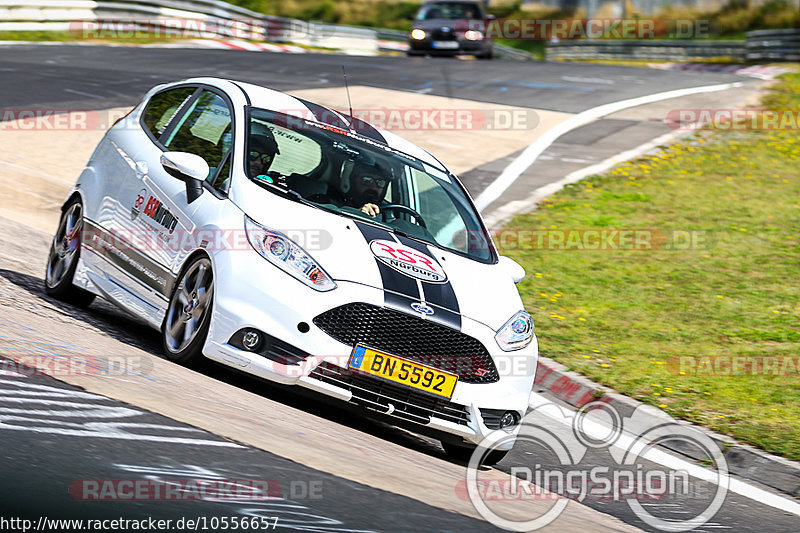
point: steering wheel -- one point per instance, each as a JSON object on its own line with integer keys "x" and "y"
{"x": 404, "y": 209}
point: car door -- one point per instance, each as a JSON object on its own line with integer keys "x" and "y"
{"x": 124, "y": 236}
{"x": 203, "y": 127}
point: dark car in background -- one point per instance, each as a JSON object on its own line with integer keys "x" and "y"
{"x": 450, "y": 27}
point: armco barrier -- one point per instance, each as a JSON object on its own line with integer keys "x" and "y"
{"x": 648, "y": 50}
{"x": 773, "y": 45}
{"x": 152, "y": 15}
{"x": 760, "y": 46}
{"x": 61, "y": 15}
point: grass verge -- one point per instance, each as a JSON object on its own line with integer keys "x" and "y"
{"x": 722, "y": 215}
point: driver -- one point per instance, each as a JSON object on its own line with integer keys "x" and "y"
{"x": 363, "y": 190}
{"x": 367, "y": 188}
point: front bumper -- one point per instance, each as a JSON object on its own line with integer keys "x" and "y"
{"x": 284, "y": 309}
{"x": 465, "y": 46}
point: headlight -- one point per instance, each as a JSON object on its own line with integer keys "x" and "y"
{"x": 417, "y": 34}
{"x": 516, "y": 333}
{"x": 285, "y": 254}
{"x": 473, "y": 35}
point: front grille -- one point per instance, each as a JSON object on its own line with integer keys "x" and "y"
{"x": 443, "y": 34}
{"x": 407, "y": 336}
{"x": 378, "y": 394}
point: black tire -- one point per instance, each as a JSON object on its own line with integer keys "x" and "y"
{"x": 62, "y": 259}
{"x": 193, "y": 294}
{"x": 464, "y": 453}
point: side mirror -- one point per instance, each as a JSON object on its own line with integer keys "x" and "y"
{"x": 514, "y": 269}
{"x": 188, "y": 168}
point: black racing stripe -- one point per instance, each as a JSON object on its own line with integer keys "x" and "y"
{"x": 399, "y": 302}
{"x": 246, "y": 96}
{"x": 444, "y": 316}
{"x": 439, "y": 294}
{"x": 403, "y": 303}
{"x": 392, "y": 280}
{"x": 327, "y": 116}
{"x": 367, "y": 130}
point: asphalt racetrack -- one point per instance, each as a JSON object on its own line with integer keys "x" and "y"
{"x": 74, "y": 444}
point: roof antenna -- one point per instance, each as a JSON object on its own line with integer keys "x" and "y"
{"x": 347, "y": 88}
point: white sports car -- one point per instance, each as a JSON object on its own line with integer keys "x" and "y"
{"x": 306, "y": 247}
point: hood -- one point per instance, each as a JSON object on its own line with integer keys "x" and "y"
{"x": 415, "y": 278}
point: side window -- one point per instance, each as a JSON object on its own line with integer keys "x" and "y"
{"x": 162, "y": 108}
{"x": 298, "y": 154}
{"x": 204, "y": 130}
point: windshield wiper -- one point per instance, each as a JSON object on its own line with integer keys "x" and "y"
{"x": 291, "y": 194}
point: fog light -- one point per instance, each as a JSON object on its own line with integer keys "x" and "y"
{"x": 251, "y": 340}
{"x": 509, "y": 419}
{"x": 417, "y": 34}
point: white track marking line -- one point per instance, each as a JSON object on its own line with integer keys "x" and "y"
{"x": 507, "y": 211}
{"x": 83, "y": 93}
{"x": 598, "y": 430}
{"x": 515, "y": 169}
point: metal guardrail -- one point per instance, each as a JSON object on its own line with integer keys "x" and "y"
{"x": 773, "y": 45}
{"x": 157, "y": 15}
{"x": 648, "y": 50}
{"x": 760, "y": 46}
{"x": 215, "y": 19}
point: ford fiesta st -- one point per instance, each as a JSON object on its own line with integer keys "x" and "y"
{"x": 306, "y": 247}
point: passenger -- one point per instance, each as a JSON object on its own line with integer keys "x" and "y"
{"x": 261, "y": 152}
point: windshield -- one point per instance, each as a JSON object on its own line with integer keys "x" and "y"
{"x": 355, "y": 176}
{"x": 448, "y": 11}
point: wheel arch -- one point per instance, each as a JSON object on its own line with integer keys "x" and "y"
{"x": 199, "y": 252}
{"x": 71, "y": 198}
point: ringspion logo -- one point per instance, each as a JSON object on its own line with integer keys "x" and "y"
{"x": 562, "y": 469}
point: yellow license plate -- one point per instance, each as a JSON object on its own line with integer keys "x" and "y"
{"x": 402, "y": 371}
